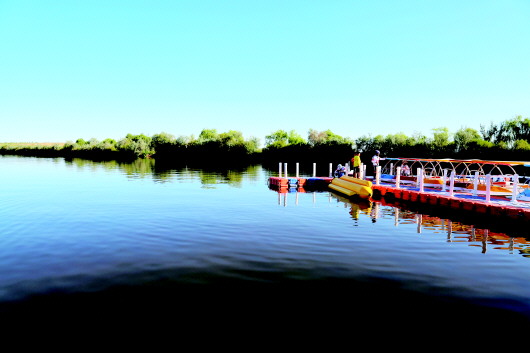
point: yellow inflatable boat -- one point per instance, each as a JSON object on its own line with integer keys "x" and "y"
{"x": 352, "y": 186}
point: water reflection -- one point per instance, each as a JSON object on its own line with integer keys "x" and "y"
{"x": 458, "y": 232}
{"x": 142, "y": 233}
{"x": 138, "y": 168}
{"x": 209, "y": 177}
{"x": 455, "y": 231}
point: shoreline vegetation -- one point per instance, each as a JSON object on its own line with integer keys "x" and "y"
{"x": 507, "y": 141}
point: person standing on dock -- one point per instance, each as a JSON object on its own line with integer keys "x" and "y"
{"x": 375, "y": 160}
{"x": 356, "y": 164}
{"x": 405, "y": 169}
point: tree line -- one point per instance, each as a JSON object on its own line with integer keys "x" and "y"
{"x": 508, "y": 140}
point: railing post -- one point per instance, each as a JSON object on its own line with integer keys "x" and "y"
{"x": 515, "y": 184}
{"x": 419, "y": 177}
{"x": 452, "y": 183}
{"x": 398, "y": 176}
{"x": 361, "y": 171}
{"x": 488, "y": 188}
{"x": 444, "y": 180}
{"x": 475, "y": 184}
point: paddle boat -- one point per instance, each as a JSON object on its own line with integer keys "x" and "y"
{"x": 469, "y": 175}
{"x": 351, "y": 186}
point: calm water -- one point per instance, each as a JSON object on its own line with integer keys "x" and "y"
{"x": 80, "y": 236}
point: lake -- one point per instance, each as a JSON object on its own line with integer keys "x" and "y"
{"x": 79, "y": 237}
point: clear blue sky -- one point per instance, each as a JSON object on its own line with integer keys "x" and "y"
{"x": 96, "y": 69}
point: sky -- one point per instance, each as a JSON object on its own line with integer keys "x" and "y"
{"x": 102, "y": 69}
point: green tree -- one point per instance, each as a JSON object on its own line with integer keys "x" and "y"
{"x": 137, "y": 145}
{"x": 294, "y": 138}
{"x": 464, "y": 136}
{"x": 253, "y": 145}
{"x": 278, "y": 138}
{"x": 489, "y": 133}
{"x": 208, "y": 135}
{"x": 522, "y": 145}
{"x": 326, "y": 137}
{"x": 364, "y": 143}
{"x": 441, "y": 137}
{"x": 516, "y": 129}
{"x": 107, "y": 144}
{"x": 418, "y": 138}
{"x": 232, "y": 138}
{"x": 162, "y": 138}
{"x": 399, "y": 139}
{"x": 508, "y": 131}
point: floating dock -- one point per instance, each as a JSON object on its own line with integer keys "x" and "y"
{"x": 495, "y": 207}
{"x": 297, "y": 182}
{"x": 420, "y": 193}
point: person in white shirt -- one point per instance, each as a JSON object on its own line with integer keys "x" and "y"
{"x": 405, "y": 169}
{"x": 375, "y": 160}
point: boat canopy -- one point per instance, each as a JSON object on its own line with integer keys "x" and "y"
{"x": 435, "y": 167}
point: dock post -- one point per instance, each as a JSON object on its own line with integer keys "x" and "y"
{"x": 361, "y": 171}
{"x": 391, "y": 168}
{"x": 377, "y": 175}
{"x": 330, "y": 170}
{"x": 475, "y": 184}
{"x": 364, "y": 171}
{"x": 515, "y": 183}
{"x": 452, "y": 183}
{"x": 297, "y": 174}
{"x": 280, "y": 170}
{"x": 314, "y": 170}
{"x": 285, "y": 169}
{"x": 398, "y": 176}
{"x": 444, "y": 180}
{"x": 488, "y": 188}
{"x": 420, "y": 178}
